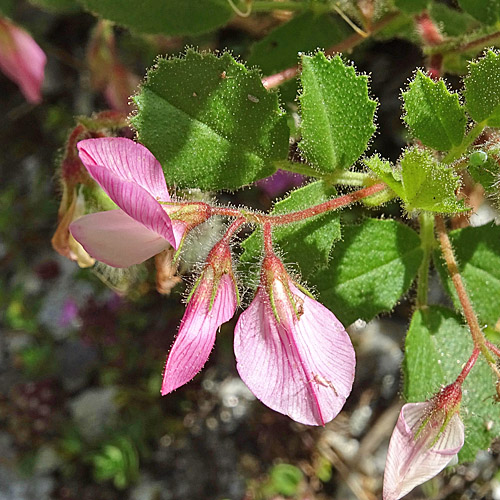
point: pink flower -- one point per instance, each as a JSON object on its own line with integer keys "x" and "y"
{"x": 212, "y": 303}
{"x": 22, "y": 60}
{"x": 134, "y": 180}
{"x": 427, "y": 437}
{"x": 292, "y": 352}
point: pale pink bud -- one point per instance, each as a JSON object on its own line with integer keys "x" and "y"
{"x": 133, "y": 178}
{"x": 427, "y": 437}
{"x": 292, "y": 352}
{"x": 22, "y": 60}
{"x": 212, "y": 303}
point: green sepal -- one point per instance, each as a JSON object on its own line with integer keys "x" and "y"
{"x": 386, "y": 173}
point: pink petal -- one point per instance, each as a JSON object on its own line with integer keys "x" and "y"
{"x": 196, "y": 335}
{"x": 22, "y": 60}
{"x": 412, "y": 461}
{"x": 302, "y": 368}
{"x": 116, "y": 239}
{"x": 133, "y": 179}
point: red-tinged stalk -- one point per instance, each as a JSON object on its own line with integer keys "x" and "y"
{"x": 456, "y": 278}
{"x": 468, "y": 366}
{"x": 493, "y": 348}
{"x": 478, "y": 338}
{"x": 232, "y": 229}
{"x": 194, "y": 209}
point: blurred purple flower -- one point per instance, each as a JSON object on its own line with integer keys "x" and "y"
{"x": 280, "y": 182}
{"x": 69, "y": 313}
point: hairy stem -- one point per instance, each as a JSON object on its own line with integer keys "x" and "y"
{"x": 268, "y": 239}
{"x": 327, "y": 206}
{"x": 463, "y": 297}
{"x": 468, "y": 366}
{"x": 278, "y": 220}
{"x": 350, "y": 42}
{"x": 461, "y": 46}
{"x": 427, "y": 242}
{"x": 233, "y": 228}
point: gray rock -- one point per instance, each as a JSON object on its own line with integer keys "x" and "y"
{"x": 94, "y": 411}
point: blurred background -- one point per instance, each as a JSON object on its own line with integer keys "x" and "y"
{"x": 82, "y": 350}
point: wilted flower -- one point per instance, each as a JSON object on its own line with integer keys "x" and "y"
{"x": 427, "y": 437}
{"x": 22, "y": 60}
{"x": 134, "y": 180}
{"x": 107, "y": 72}
{"x": 213, "y": 302}
{"x": 292, "y": 352}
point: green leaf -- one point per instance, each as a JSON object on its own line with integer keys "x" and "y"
{"x": 429, "y": 185}
{"x": 170, "y": 17}
{"x": 486, "y": 11}
{"x": 385, "y": 172}
{"x": 452, "y": 22}
{"x": 369, "y": 270}
{"x": 210, "y": 122}
{"x": 57, "y": 5}
{"x": 433, "y": 113}
{"x": 411, "y": 6}
{"x": 482, "y": 89}
{"x": 285, "y": 479}
{"x": 6, "y": 7}
{"x": 436, "y": 347}
{"x": 337, "y": 113}
{"x": 304, "y": 32}
{"x": 477, "y": 250}
{"x": 307, "y": 243}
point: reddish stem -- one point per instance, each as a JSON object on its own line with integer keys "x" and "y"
{"x": 493, "y": 348}
{"x": 463, "y": 297}
{"x": 268, "y": 239}
{"x": 468, "y": 366}
{"x": 327, "y": 206}
{"x": 233, "y": 228}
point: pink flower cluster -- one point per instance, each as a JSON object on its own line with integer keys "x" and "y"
{"x": 291, "y": 351}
